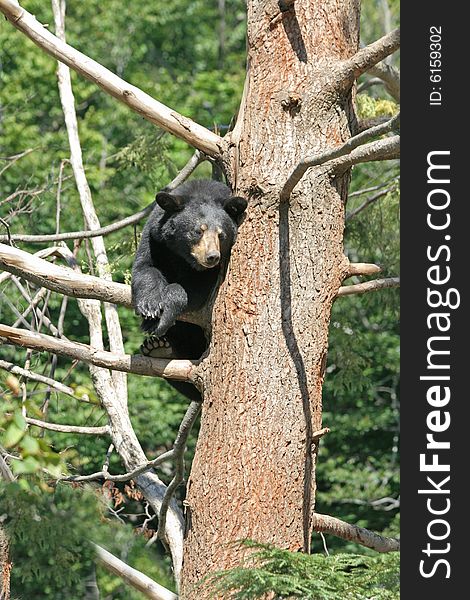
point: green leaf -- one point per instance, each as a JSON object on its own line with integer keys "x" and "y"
{"x": 27, "y": 466}
{"x": 30, "y": 445}
{"x": 12, "y": 435}
{"x": 19, "y": 420}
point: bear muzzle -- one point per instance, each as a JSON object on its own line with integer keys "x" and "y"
{"x": 207, "y": 250}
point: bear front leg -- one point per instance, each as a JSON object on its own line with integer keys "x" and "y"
{"x": 148, "y": 286}
{"x": 174, "y": 303}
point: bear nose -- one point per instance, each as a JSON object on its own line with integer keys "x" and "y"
{"x": 213, "y": 257}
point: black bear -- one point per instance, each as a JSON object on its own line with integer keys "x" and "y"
{"x": 185, "y": 243}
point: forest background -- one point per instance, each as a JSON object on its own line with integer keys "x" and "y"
{"x": 190, "y": 54}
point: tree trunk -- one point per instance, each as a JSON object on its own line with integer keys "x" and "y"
{"x": 5, "y": 566}
{"x": 253, "y": 474}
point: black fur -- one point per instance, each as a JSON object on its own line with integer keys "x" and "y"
{"x": 167, "y": 279}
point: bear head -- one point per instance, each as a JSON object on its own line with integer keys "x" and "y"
{"x": 200, "y": 221}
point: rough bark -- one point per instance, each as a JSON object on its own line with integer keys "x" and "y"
{"x": 253, "y": 475}
{"x": 5, "y": 566}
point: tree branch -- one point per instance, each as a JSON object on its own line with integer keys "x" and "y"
{"x": 371, "y": 200}
{"x": 368, "y": 286}
{"x": 81, "y": 235}
{"x": 67, "y": 100}
{"x": 133, "y": 97}
{"x": 179, "y": 448}
{"x": 353, "y": 533}
{"x": 331, "y": 154}
{"x": 62, "y": 279}
{"x": 68, "y": 428}
{"x": 5, "y": 471}
{"x": 44, "y": 253}
{"x": 136, "y": 579}
{"x": 316, "y": 435}
{"x": 386, "y": 149}
{"x": 65, "y": 280}
{"x": 362, "y": 269}
{"x": 181, "y": 370}
{"x": 367, "y": 57}
{"x": 51, "y": 383}
{"x": 123, "y": 436}
{"x": 365, "y": 124}
{"x": 103, "y": 474}
{"x": 196, "y": 159}
{"x": 390, "y": 76}
{"x": 44, "y": 319}
{"x": 368, "y": 84}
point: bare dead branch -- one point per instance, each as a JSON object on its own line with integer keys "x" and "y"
{"x": 331, "y": 154}
{"x": 11, "y": 160}
{"x": 367, "y": 57}
{"x": 91, "y": 219}
{"x": 182, "y": 370}
{"x": 51, "y": 383}
{"x": 392, "y": 180}
{"x": 122, "y": 433}
{"x": 316, "y": 435}
{"x": 68, "y": 428}
{"x": 365, "y": 124}
{"x": 60, "y": 333}
{"x": 5, "y": 471}
{"x": 27, "y": 193}
{"x": 368, "y": 84}
{"x": 44, "y": 253}
{"x": 133, "y": 97}
{"x": 15, "y": 311}
{"x": 368, "y": 286}
{"x": 390, "y": 76}
{"x": 136, "y": 579}
{"x": 196, "y": 159}
{"x": 40, "y": 294}
{"x": 386, "y": 149}
{"x": 80, "y": 235}
{"x": 386, "y": 504}
{"x": 64, "y": 280}
{"x": 362, "y": 269}
{"x": 43, "y": 317}
{"x": 371, "y": 200}
{"x": 353, "y": 533}
{"x": 61, "y": 279}
{"x": 103, "y": 474}
{"x": 179, "y": 448}
{"x": 7, "y": 227}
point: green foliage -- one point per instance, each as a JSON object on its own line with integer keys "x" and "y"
{"x": 36, "y": 453}
{"x": 50, "y": 543}
{"x": 310, "y": 577}
{"x": 358, "y": 463}
{"x": 173, "y": 51}
{"x": 368, "y": 107}
{"x": 49, "y": 539}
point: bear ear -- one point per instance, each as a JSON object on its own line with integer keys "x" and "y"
{"x": 235, "y": 206}
{"x": 169, "y": 202}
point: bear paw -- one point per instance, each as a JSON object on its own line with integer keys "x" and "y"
{"x": 157, "y": 347}
{"x": 149, "y": 308}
